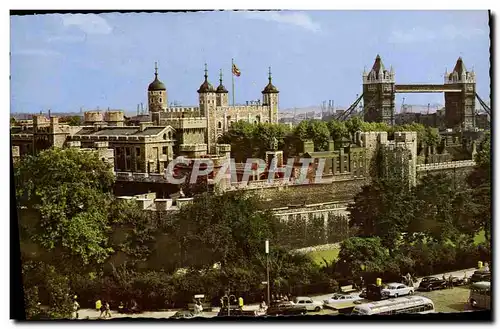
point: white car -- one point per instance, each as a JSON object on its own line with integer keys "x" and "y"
{"x": 311, "y": 305}
{"x": 342, "y": 298}
{"x": 397, "y": 289}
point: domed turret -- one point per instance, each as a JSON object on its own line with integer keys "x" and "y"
{"x": 221, "y": 88}
{"x": 270, "y": 88}
{"x": 206, "y": 87}
{"x": 221, "y": 96}
{"x": 157, "y": 94}
{"x": 156, "y": 85}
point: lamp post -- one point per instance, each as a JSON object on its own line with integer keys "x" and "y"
{"x": 268, "y": 283}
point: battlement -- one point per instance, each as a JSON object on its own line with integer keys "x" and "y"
{"x": 93, "y": 116}
{"x": 192, "y": 147}
{"x": 186, "y": 123}
{"x": 114, "y": 116}
{"x": 183, "y": 109}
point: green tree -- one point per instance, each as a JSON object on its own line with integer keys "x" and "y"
{"x": 434, "y": 209}
{"x": 382, "y": 209}
{"x": 338, "y": 130}
{"x": 222, "y": 228}
{"x": 75, "y": 120}
{"x": 353, "y": 125}
{"x": 479, "y": 198}
{"x": 63, "y": 196}
{"x": 314, "y": 130}
{"x": 356, "y": 251}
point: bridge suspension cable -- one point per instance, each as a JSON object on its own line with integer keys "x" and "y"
{"x": 344, "y": 115}
{"x": 483, "y": 104}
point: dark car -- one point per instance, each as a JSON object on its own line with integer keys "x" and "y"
{"x": 432, "y": 283}
{"x": 183, "y": 315}
{"x": 286, "y": 308}
{"x": 480, "y": 275}
{"x": 374, "y": 292}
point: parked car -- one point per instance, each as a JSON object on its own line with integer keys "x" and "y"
{"x": 309, "y": 304}
{"x": 183, "y": 315}
{"x": 480, "y": 275}
{"x": 374, "y": 292}
{"x": 432, "y": 283}
{"x": 341, "y": 298}
{"x": 286, "y": 308}
{"x": 397, "y": 289}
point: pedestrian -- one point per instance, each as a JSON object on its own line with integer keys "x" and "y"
{"x": 285, "y": 298}
{"x": 221, "y": 302}
{"x": 450, "y": 282}
{"x": 240, "y": 302}
{"x": 98, "y": 306}
{"x": 290, "y": 297}
{"x": 262, "y": 306}
{"x": 121, "y": 307}
{"x": 76, "y": 308}
{"x": 107, "y": 310}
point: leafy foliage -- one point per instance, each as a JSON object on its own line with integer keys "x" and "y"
{"x": 66, "y": 192}
{"x": 222, "y": 229}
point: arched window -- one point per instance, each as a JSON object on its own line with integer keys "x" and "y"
{"x": 219, "y": 125}
{"x": 165, "y": 136}
{"x": 169, "y": 135}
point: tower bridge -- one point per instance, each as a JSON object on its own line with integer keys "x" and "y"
{"x": 380, "y": 88}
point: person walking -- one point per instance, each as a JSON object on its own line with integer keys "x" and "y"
{"x": 107, "y": 310}
{"x": 450, "y": 282}
{"x": 76, "y": 308}
{"x": 240, "y": 302}
{"x": 98, "y": 307}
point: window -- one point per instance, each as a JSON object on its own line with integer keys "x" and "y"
{"x": 219, "y": 125}
{"x": 160, "y": 99}
{"x": 169, "y": 135}
{"x": 138, "y": 151}
{"x": 165, "y": 148}
{"x": 164, "y": 136}
{"x": 127, "y": 151}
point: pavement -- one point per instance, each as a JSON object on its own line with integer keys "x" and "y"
{"x": 93, "y": 314}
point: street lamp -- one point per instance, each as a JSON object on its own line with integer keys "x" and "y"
{"x": 268, "y": 283}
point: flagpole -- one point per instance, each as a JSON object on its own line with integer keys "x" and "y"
{"x": 232, "y": 76}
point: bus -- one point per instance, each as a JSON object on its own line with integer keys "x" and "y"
{"x": 480, "y": 296}
{"x": 408, "y": 304}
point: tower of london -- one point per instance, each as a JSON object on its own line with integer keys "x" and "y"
{"x": 198, "y": 128}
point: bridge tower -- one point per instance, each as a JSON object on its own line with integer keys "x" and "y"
{"x": 379, "y": 94}
{"x": 460, "y": 107}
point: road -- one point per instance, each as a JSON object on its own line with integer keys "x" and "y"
{"x": 448, "y": 300}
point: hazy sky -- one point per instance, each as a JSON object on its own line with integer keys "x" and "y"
{"x": 65, "y": 62}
